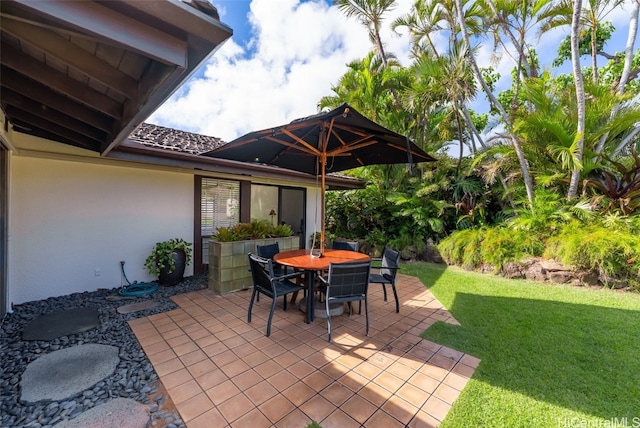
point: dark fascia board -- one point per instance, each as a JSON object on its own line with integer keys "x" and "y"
{"x": 133, "y": 151}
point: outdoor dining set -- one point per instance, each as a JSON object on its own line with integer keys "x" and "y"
{"x": 338, "y": 276}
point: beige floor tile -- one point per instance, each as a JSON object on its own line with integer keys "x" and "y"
{"x": 194, "y": 407}
{"x": 359, "y": 409}
{"x": 221, "y": 370}
{"x": 222, "y": 392}
{"x": 339, "y": 419}
{"x": 317, "y": 408}
{"x": 276, "y": 407}
{"x": 254, "y": 419}
{"x": 210, "y": 418}
{"x": 236, "y": 407}
{"x": 260, "y": 392}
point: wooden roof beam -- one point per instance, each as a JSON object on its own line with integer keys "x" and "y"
{"x": 15, "y": 99}
{"x": 58, "y": 81}
{"x": 51, "y": 127}
{"x": 72, "y": 54}
{"x": 112, "y": 27}
{"x": 46, "y": 97}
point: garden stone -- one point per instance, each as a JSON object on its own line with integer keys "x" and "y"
{"x": 63, "y": 374}
{"x": 535, "y": 272}
{"x": 561, "y": 277}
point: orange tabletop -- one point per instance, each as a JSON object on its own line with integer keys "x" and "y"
{"x": 301, "y": 259}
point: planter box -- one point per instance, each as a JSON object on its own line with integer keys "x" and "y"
{"x": 229, "y": 264}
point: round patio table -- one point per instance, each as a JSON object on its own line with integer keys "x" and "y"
{"x": 301, "y": 259}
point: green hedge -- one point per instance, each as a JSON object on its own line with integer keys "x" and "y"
{"x": 613, "y": 251}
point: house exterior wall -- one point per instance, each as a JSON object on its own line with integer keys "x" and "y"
{"x": 71, "y": 223}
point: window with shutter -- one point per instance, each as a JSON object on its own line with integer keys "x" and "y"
{"x": 220, "y": 207}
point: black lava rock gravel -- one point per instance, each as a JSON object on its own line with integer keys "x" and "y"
{"x": 133, "y": 378}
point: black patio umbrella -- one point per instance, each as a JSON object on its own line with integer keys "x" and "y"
{"x": 333, "y": 141}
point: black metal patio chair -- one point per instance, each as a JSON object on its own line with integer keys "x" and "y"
{"x": 268, "y": 252}
{"x": 346, "y": 283}
{"x": 345, "y": 245}
{"x": 266, "y": 282}
{"x": 386, "y": 273}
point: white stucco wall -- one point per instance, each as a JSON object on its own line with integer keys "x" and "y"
{"x": 71, "y": 223}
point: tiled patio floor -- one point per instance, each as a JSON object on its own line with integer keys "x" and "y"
{"x": 222, "y": 371}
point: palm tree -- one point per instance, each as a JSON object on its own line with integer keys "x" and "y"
{"x": 579, "y": 84}
{"x": 628, "y": 58}
{"x": 432, "y": 16}
{"x": 366, "y": 85}
{"x": 526, "y": 175}
{"x": 424, "y": 19}
{"x": 516, "y": 20}
{"x": 590, "y": 19}
{"x": 370, "y": 14}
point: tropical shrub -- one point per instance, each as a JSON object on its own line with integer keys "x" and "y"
{"x": 463, "y": 248}
{"x": 474, "y": 248}
{"x": 502, "y": 245}
{"x": 612, "y": 253}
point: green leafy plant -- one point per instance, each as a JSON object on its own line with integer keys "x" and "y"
{"x": 257, "y": 229}
{"x": 162, "y": 255}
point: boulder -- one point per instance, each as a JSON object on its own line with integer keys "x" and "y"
{"x": 588, "y": 278}
{"x": 512, "y": 270}
{"x": 561, "y": 277}
{"x": 554, "y": 266}
{"x": 535, "y": 272}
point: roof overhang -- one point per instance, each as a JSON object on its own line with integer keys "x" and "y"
{"x": 136, "y": 152}
{"x": 86, "y": 73}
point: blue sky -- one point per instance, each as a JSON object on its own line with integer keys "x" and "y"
{"x": 286, "y": 54}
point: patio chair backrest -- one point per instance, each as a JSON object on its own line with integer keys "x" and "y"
{"x": 261, "y": 271}
{"x": 347, "y": 281}
{"x": 345, "y": 245}
{"x": 390, "y": 259}
{"x": 268, "y": 251}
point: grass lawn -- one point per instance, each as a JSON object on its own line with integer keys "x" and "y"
{"x": 552, "y": 355}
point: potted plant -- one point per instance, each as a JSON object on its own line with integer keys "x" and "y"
{"x": 168, "y": 260}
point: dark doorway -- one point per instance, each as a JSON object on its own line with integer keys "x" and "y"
{"x": 292, "y": 211}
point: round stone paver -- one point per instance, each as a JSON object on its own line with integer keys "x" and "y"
{"x": 67, "y": 372}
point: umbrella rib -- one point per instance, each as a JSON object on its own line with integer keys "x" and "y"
{"x": 310, "y": 149}
{"x": 404, "y": 149}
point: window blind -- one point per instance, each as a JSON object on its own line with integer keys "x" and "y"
{"x": 219, "y": 207}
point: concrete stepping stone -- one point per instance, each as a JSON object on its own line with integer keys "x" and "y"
{"x": 61, "y": 323}
{"x": 134, "y": 307}
{"x": 67, "y": 372}
{"x": 119, "y": 412}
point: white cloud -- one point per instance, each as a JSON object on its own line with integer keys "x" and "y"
{"x": 297, "y": 51}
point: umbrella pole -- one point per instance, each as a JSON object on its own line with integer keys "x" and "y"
{"x": 323, "y": 164}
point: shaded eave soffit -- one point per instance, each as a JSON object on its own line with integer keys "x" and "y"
{"x": 86, "y": 73}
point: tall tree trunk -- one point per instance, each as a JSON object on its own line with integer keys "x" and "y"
{"x": 579, "y": 84}
{"x": 594, "y": 54}
{"x": 526, "y": 176}
{"x": 626, "y": 69}
{"x": 460, "y": 137}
